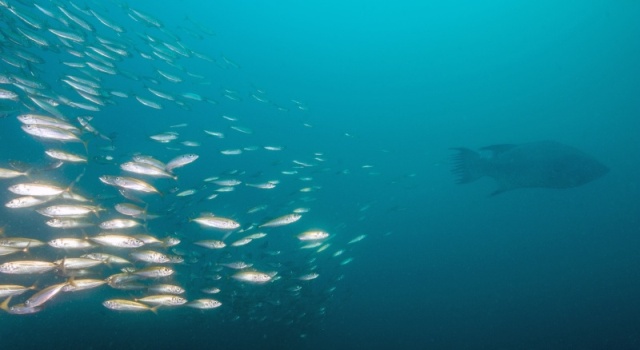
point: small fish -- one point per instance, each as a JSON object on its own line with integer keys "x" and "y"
{"x": 7, "y": 250}
{"x": 231, "y": 152}
{"x": 65, "y": 156}
{"x": 265, "y": 186}
{"x": 309, "y": 276}
{"x": 84, "y": 121}
{"x": 116, "y": 240}
{"x": 130, "y": 209}
{"x": 76, "y": 263}
{"x": 166, "y": 300}
{"x": 12, "y": 289}
{"x": 181, "y": 161}
{"x": 10, "y": 174}
{"x": 357, "y": 239}
{"x": 128, "y": 305}
{"x": 254, "y": 277}
{"x": 36, "y": 189}
{"x": 229, "y": 182}
{"x": 26, "y": 267}
{"x": 217, "y": 222}
{"x": 313, "y": 235}
{"x": 44, "y": 295}
{"x": 150, "y": 256}
{"x": 50, "y": 132}
{"x": 65, "y": 210}
{"x": 74, "y": 285}
{"x": 19, "y": 242}
{"x": 346, "y": 261}
{"x": 204, "y": 304}
{"x": 146, "y": 169}
{"x": 282, "y": 220}
{"x": 166, "y": 289}
{"x": 215, "y": 133}
{"x": 128, "y": 183}
{"x": 116, "y": 224}
{"x": 211, "y": 244}
{"x": 210, "y": 290}
{"x": 42, "y": 120}
{"x": 164, "y": 137}
{"x": 257, "y": 235}
{"x": 236, "y": 265}
{"x": 8, "y": 95}
{"x": 68, "y": 223}
{"x": 241, "y": 242}
{"x": 154, "y": 272}
{"x": 256, "y": 209}
{"x": 311, "y": 245}
{"x": 107, "y": 258}
{"x": 186, "y": 193}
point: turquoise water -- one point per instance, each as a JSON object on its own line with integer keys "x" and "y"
{"x": 379, "y": 93}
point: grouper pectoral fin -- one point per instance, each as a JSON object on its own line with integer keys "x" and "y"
{"x": 497, "y": 192}
{"x": 502, "y": 187}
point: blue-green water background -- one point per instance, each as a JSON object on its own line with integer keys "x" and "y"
{"x": 443, "y": 266}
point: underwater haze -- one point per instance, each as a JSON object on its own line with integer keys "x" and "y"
{"x": 313, "y": 142}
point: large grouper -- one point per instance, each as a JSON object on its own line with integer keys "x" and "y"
{"x": 545, "y": 164}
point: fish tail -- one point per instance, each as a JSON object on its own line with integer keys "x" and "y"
{"x": 5, "y": 304}
{"x": 468, "y": 166}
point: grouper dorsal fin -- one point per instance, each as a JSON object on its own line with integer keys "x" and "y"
{"x": 498, "y": 149}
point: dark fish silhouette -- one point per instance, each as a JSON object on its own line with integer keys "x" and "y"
{"x": 545, "y": 164}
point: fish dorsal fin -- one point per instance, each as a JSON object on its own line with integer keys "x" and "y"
{"x": 498, "y": 149}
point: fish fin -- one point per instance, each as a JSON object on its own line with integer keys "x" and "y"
{"x": 155, "y": 309}
{"x": 98, "y": 209}
{"x": 467, "y": 165}
{"x": 72, "y": 281}
{"x": 28, "y": 172}
{"x": 5, "y": 304}
{"x": 34, "y": 286}
{"x": 497, "y": 192}
{"x": 64, "y": 268}
{"x": 498, "y": 149}
{"x": 226, "y": 235}
{"x": 26, "y": 249}
{"x": 74, "y": 182}
{"x": 501, "y": 189}
{"x": 86, "y": 146}
{"x": 144, "y": 212}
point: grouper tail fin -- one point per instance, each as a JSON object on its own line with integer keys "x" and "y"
{"x": 468, "y": 166}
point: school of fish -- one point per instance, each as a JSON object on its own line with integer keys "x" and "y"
{"x": 145, "y": 229}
